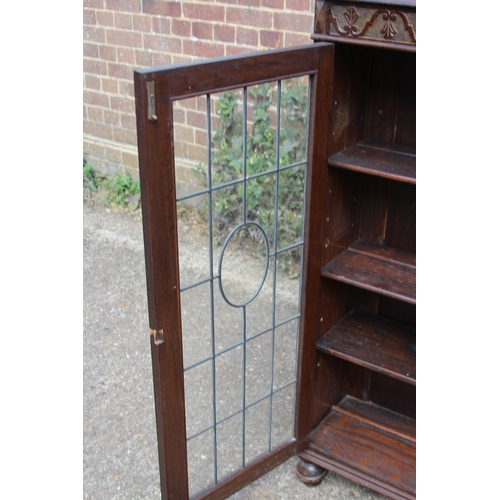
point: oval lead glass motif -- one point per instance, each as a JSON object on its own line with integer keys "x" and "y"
{"x": 243, "y": 264}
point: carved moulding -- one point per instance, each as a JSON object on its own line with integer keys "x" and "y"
{"x": 377, "y": 23}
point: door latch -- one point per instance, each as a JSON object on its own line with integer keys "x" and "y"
{"x": 150, "y": 87}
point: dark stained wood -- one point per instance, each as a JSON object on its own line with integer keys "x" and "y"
{"x": 392, "y": 277}
{"x": 354, "y": 443}
{"x": 380, "y": 417}
{"x": 309, "y": 473}
{"x": 373, "y": 342}
{"x": 162, "y": 275}
{"x": 382, "y": 162}
{"x": 216, "y": 75}
{"x": 392, "y": 394}
{"x": 319, "y": 151}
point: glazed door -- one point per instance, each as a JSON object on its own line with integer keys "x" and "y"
{"x": 229, "y": 152}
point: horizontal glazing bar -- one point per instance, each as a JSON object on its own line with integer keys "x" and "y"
{"x": 206, "y": 280}
{"x": 237, "y": 181}
{"x": 206, "y": 429}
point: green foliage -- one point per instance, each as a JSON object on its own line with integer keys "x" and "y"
{"x": 117, "y": 191}
{"x": 227, "y": 161}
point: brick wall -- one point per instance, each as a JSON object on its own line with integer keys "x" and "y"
{"x": 121, "y": 35}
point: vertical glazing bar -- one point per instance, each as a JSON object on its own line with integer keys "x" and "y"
{"x": 275, "y": 248}
{"x": 244, "y": 166}
{"x": 244, "y": 354}
{"x": 211, "y": 258}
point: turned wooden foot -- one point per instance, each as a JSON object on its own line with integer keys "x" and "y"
{"x": 309, "y": 473}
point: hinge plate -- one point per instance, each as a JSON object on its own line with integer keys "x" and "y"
{"x": 150, "y": 87}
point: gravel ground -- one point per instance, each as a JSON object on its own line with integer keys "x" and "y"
{"x": 120, "y": 458}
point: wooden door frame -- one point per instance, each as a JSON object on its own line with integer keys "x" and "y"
{"x": 157, "y": 176}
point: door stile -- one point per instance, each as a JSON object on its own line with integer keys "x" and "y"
{"x": 155, "y": 141}
{"x": 319, "y": 139}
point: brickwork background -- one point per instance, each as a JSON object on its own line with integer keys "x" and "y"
{"x": 122, "y": 35}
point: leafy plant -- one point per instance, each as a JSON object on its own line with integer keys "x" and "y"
{"x": 119, "y": 190}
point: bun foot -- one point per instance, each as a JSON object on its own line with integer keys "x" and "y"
{"x": 309, "y": 473}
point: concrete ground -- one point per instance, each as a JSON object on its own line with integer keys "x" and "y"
{"x": 120, "y": 458}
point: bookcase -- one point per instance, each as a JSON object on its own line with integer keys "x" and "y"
{"x": 355, "y": 407}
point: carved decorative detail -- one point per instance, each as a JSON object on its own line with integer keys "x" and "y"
{"x": 373, "y": 23}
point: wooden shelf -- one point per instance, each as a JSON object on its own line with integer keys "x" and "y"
{"x": 377, "y": 343}
{"x": 354, "y": 440}
{"x": 392, "y": 161}
{"x": 384, "y": 270}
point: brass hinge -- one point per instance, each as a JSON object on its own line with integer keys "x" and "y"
{"x": 157, "y": 336}
{"x": 150, "y": 87}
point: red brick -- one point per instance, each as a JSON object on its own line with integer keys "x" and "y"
{"x": 111, "y": 117}
{"x": 95, "y": 114}
{"x": 203, "y": 30}
{"x": 161, "y": 59}
{"x": 181, "y": 28}
{"x": 124, "y": 5}
{"x": 127, "y": 121}
{"x": 249, "y": 18}
{"x": 94, "y": 4}
{"x": 125, "y": 135}
{"x": 161, "y": 25}
{"x": 122, "y": 71}
{"x": 233, "y": 2}
{"x": 161, "y": 8}
{"x": 127, "y": 88}
{"x": 125, "y": 55}
{"x": 295, "y": 39}
{"x": 107, "y": 52}
{"x": 123, "y": 21}
{"x": 234, "y": 50}
{"x": 109, "y": 85}
{"x": 274, "y": 4}
{"x": 98, "y": 129}
{"x": 95, "y": 98}
{"x": 126, "y": 38}
{"x": 224, "y": 33}
{"x": 271, "y": 39}
{"x": 123, "y": 104}
{"x": 201, "y": 138}
{"x": 162, "y": 43}
{"x": 95, "y": 67}
{"x": 105, "y": 18}
{"x": 94, "y": 34}
{"x": 89, "y": 17}
{"x": 247, "y": 37}
{"x": 249, "y": 3}
{"x": 179, "y": 115}
{"x": 92, "y": 82}
{"x": 90, "y": 50}
{"x": 84, "y": 112}
{"x": 143, "y": 58}
{"x": 202, "y": 49}
{"x": 142, "y": 23}
{"x": 196, "y": 119}
{"x": 199, "y": 11}
{"x": 301, "y": 5}
{"x": 297, "y": 23}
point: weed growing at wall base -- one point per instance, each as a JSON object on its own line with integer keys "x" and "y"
{"x": 117, "y": 191}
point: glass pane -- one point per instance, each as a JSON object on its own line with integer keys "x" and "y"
{"x": 227, "y": 127}
{"x": 198, "y": 398}
{"x": 258, "y": 368}
{"x": 283, "y": 415}
{"x": 196, "y": 324}
{"x": 294, "y": 120}
{"x": 228, "y": 322}
{"x": 285, "y": 354}
{"x": 229, "y": 446}
{"x": 201, "y": 462}
{"x": 256, "y": 430}
{"x": 261, "y": 128}
{"x": 288, "y": 284}
{"x": 190, "y": 145}
{"x": 229, "y": 383}
{"x": 193, "y": 240}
